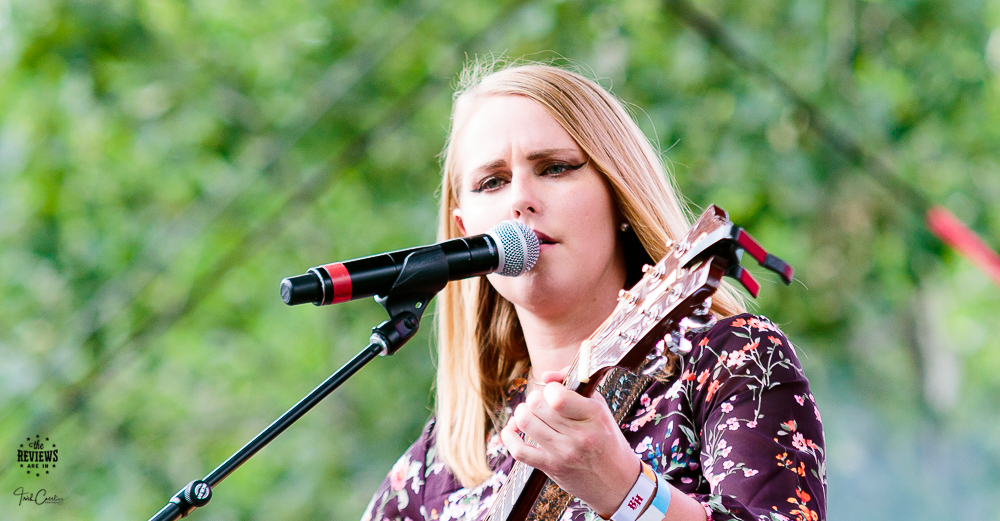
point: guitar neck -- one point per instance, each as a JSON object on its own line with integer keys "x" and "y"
{"x": 514, "y": 500}
{"x": 517, "y": 496}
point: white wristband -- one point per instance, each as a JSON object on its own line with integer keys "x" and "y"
{"x": 661, "y": 502}
{"x": 638, "y": 497}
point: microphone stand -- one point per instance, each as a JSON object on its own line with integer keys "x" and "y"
{"x": 424, "y": 274}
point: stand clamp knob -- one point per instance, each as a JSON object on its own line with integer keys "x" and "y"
{"x": 195, "y": 495}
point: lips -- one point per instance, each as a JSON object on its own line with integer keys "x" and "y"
{"x": 544, "y": 239}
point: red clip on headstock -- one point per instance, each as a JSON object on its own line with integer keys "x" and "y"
{"x": 761, "y": 255}
{"x": 747, "y": 243}
{"x": 746, "y": 279}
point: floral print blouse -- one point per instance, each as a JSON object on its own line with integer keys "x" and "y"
{"x": 736, "y": 428}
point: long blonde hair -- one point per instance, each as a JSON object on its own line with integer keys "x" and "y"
{"x": 481, "y": 347}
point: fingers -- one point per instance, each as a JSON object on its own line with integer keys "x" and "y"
{"x": 566, "y": 405}
{"x": 554, "y": 376}
{"x": 587, "y": 457}
{"x": 519, "y": 449}
{"x": 526, "y": 420}
{"x": 551, "y": 449}
{"x": 560, "y": 421}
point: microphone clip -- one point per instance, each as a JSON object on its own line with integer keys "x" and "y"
{"x": 424, "y": 274}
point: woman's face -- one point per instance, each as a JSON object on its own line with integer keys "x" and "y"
{"x": 514, "y": 161}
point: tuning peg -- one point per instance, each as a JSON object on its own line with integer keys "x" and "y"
{"x": 678, "y": 343}
{"x": 655, "y": 361}
{"x": 628, "y": 337}
{"x": 653, "y": 271}
{"x": 628, "y": 296}
{"x": 653, "y": 313}
{"x": 696, "y": 324}
{"x": 674, "y": 293}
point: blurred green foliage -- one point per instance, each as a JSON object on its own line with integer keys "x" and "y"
{"x": 164, "y": 163}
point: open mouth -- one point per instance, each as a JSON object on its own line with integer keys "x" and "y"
{"x": 544, "y": 239}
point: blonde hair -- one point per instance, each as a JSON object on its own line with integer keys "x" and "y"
{"x": 481, "y": 348}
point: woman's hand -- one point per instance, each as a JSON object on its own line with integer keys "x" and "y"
{"x": 580, "y": 446}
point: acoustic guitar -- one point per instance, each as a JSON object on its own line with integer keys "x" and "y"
{"x": 673, "y": 298}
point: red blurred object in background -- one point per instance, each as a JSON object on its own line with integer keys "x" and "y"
{"x": 956, "y": 234}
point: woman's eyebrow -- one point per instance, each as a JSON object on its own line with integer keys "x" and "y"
{"x": 549, "y": 152}
{"x": 538, "y": 154}
{"x": 498, "y": 163}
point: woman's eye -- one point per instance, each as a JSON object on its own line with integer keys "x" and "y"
{"x": 489, "y": 184}
{"x": 558, "y": 168}
{"x": 562, "y": 168}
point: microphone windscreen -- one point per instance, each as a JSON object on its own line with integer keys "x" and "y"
{"x": 518, "y": 247}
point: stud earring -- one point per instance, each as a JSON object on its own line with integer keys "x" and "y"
{"x": 623, "y": 227}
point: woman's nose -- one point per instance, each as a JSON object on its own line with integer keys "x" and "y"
{"x": 524, "y": 195}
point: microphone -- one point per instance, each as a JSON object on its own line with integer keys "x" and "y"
{"x": 509, "y": 248}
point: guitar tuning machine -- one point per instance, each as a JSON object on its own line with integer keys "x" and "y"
{"x": 653, "y": 313}
{"x": 655, "y": 360}
{"x": 677, "y": 341}
{"x": 704, "y": 309}
{"x": 629, "y": 297}
{"x": 628, "y": 337}
{"x": 697, "y": 323}
{"x": 656, "y": 272}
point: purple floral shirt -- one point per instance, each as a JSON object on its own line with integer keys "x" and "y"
{"x": 735, "y": 427}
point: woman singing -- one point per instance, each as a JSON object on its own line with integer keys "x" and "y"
{"x": 728, "y": 431}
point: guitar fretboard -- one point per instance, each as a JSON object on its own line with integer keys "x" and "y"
{"x": 512, "y": 489}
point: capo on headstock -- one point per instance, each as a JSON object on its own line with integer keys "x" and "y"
{"x": 761, "y": 255}
{"x": 747, "y": 243}
{"x": 746, "y": 279}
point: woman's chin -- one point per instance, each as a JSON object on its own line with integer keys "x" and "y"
{"x": 536, "y": 295}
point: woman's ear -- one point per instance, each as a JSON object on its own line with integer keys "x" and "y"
{"x": 457, "y": 215}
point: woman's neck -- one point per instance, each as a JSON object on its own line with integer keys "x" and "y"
{"x": 553, "y": 342}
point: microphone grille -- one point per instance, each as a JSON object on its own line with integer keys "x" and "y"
{"x": 518, "y": 247}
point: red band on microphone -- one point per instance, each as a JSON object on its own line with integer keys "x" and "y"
{"x": 341, "y": 282}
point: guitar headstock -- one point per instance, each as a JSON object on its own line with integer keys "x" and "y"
{"x": 673, "y": 297}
